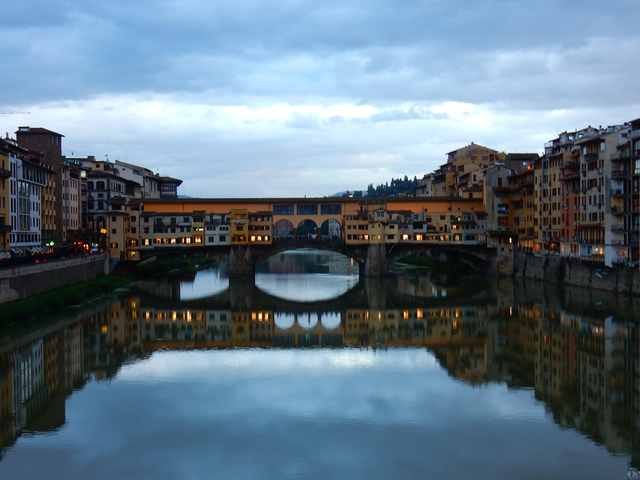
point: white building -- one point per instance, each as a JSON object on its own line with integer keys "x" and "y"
{"x": 27, "y": 181}
{"x": 149, "y": 183}
{"x": 217, "y": 230}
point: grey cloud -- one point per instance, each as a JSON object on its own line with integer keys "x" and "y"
{"x": 378, "y": 50}
{"x": 536, "y": 67}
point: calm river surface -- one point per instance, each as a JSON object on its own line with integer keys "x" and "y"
{"x": 313, "y": 373}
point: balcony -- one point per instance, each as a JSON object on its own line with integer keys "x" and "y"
{"x": 4, "y": 173}
{"x": 591, "y": 157}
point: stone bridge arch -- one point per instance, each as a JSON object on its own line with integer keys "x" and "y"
{"x": 307, "y": 229}
{"x": 283, "y": 229}
{"x": 331, "y": 229}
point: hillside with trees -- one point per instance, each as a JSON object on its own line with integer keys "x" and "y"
{"x": 398, "y": 187}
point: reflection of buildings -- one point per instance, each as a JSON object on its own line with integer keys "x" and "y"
{"x": 37, "y": 375}
{"x": 461, "y": 327}
{"x": 586, "y": 371}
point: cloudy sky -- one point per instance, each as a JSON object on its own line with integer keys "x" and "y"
{"x": 295, "y": 97}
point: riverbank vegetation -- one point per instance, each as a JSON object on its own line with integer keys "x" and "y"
{"x": 41, "y": 306}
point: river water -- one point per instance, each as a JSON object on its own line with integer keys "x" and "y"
{"x": 312, "y": 372}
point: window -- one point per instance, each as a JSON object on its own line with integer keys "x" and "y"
{"x": 283, "y": 209}
{"x": 308, "y": 209}
{"x": 330, "y": 209}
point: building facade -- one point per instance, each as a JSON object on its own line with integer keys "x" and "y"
{"x": 71, "y": 211}
{"x": 49, "y": 145}
{"x": 5, "y": 197}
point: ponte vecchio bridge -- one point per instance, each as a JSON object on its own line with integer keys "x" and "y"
{"x": 369, "y": 231}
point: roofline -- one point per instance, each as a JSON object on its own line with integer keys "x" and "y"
{"x": 310, "y": 200}
{"x": 36, "y": 131}
{"x": 104, "y": 174}
{"x": 132, "y": 165}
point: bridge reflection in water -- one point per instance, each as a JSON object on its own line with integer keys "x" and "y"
{"x": 584, "y": 367}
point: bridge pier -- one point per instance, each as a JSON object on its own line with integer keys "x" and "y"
{"x": 241, "y": 293}
{"x": 375, "y": 264}
{"x": 241, "y": 262}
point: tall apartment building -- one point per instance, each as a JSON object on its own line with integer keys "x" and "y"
{"x": 152, "y": 186}
{"x": 463, "y": 174}
{"x": 71, "y": 210}
{"x": 548, "y": 197}
{"x": 5, "y": 199}
{"x": 49, "y": 144}
{"x": 556, "y": 194}
{"x": 103, "y": 188}
{"x": 522, "y": 210}
{"x": 629, "y": 162}
{"x": 149, "y": 183}
{"x": 22, "y": 189}
{"x": 600, "y": 229}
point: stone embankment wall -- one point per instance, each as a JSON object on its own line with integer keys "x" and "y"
{"x": 576, "y": 273}
{"x": 24, "y": 281}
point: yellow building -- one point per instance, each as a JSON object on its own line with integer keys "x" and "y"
{"x": 117, "y": 234}
{"x": 260, "y": 225}
{"x": 239, "y": 221}
{"x": 356, "y": 229}
{"x": 466, "y": 167}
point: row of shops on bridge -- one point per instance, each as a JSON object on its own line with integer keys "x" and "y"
{"x": 193, "y": 224}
